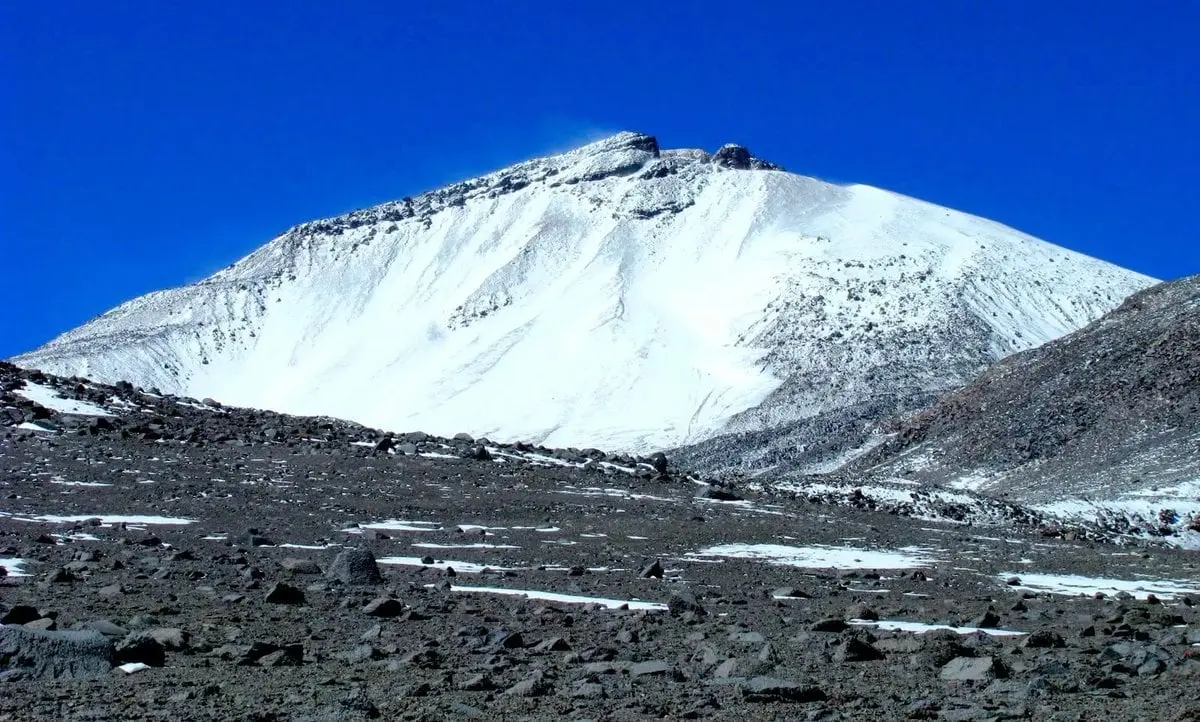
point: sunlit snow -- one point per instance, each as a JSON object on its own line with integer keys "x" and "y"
{"x": 51, "y": 399}
{"x": 15, "y": 567}
{"x": 823, "y": 557}
{"x": 889, "y": 625}
{"x": 566, "y": 598}
{"x": 628, "y": 311}
{"x": 1075, "y": 584}
{"x": 441, "y": 564}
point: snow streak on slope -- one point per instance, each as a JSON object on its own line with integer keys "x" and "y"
{"x": 616, "y": 296}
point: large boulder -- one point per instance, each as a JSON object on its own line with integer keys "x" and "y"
{"x": 355, "y": 567}
{"x": 33, "y": 654}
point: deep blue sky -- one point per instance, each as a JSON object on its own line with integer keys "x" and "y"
{"x": 147, "y": 144}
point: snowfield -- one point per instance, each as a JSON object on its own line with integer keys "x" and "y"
{"x": 616, "y": 296}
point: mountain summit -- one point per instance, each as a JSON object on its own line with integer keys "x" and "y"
{"x": 619, "y": 295}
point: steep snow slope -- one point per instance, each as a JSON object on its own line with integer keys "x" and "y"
{"x": 1103, "y": 421}
{"x": 616, "y": 296}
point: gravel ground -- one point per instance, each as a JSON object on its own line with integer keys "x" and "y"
{"x": 656, "y": 596}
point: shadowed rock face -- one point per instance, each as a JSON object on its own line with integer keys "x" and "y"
{"x": 37, "y": 654}
{"x": 1111, "y": 409}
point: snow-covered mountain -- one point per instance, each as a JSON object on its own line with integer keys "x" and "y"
{"x": 617, "y": 296}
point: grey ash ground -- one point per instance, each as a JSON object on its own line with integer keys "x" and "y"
{"x": 234, "y": 623}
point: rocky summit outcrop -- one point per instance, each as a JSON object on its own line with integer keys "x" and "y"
{"x": 1109, "y": 412}
{"x": 622, "y": 295}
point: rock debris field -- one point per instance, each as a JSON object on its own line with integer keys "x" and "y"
{"x": 170, "y": 558}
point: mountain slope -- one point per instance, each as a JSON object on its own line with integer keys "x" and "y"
{"x": 620, "y": 296}
{"x": 1108, "y": 416}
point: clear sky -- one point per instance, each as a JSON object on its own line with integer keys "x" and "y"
{"x": 147, "y": 144}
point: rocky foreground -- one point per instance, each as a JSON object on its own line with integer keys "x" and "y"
{"x": 172, "y": 559}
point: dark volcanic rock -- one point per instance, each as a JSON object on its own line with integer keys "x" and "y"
{"x": 770, "y": 689}
{"x": 384, "y": 607}
{"x": 355, "y": 567}
{"x": 140, "y": 647}
{"x": 683, "y": 601}
{"x": 30, "y": 654}
{"x": 285, "y": 594}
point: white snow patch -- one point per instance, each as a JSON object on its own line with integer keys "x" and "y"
{"x": 442, "y": 564}
{"x": 108, "y": 519}
{"x": 632, "y": 604}
{"x": 131, "y": 667}
{"x": 62, "y": 482}
{"x": 430, "y": 545}
{"x": 890, "y": 625}
{"x": 395, "y": 525}
{"x": 51, "y": 399}
{"x": 30, "y": 426}
{"x": 823, "y": 557}
{"x": 309, "y": 546}
{"x": 14, "y": 567}
{"x": 1074, "y": 584}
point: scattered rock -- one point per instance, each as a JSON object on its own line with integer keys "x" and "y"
{"x": 653, "y": 570}
{"x": 300, "y": 566}
{"x": 355, "y": 567}
{"x": 972, "y": 669}
{"x": 384, "y": 607}
{"x": 282, "y": 593}
{"x": 771, "y": 689}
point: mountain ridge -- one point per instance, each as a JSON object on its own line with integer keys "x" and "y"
{"x": 619, "y": 295}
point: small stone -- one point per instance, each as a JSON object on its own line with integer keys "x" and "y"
{"x": 1044, "y": 638}
{"x": 112, "y": 590}
{"x": 477, "y": 683}
{"x": 771, "y": 689}
{"x": 20, "y": 614}
{"x": 172, "y": 639}
{"x": 140, "y": 647}
{"x": 862, "y": 611}
{"x": 856, "y": 650}
{"x": 300, "y": 566}
{"x": 653, "y": 668}
{"x": 284, "y": 594}
{"x": 355, "y": 567}
{"x": 829, "y": 625}
{"x": 972, "y": 669}
{"x": 683, "y": 601}
{"x": 384, "y": 607}
{"x": 44, "y": 624}
{"x": 652, "y": 571}
{"x": 554, "y": 644}
{"x": 535, "y": 685}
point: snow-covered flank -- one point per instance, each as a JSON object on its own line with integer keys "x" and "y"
{"x": 567, "y": 598}
{"x": 52, "y": 400}
{"x": 615, "y": 296}
{"x": 1074, "y": 584}
{"x": 823, "y": 557}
